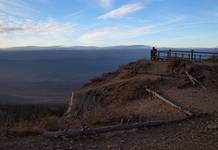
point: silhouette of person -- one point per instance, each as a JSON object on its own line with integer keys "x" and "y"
{"x": 153, "y": 53}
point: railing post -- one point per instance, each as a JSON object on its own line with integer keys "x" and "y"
{"x": 175, "y": 56}
{"x": 158, "y": 55}
{"x": 182, "y": 56}
{"x": 199, "y": 58}
{"x": 192, "y": 55}
{"x": 169, "y": 54}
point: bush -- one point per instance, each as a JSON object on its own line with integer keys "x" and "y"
{"x": 53, "y": 123}
{"x": 213, "y": 59}
{"x": 27, "y": 119}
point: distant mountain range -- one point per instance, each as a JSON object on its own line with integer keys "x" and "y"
{"x": 76, "y": 48}
{"x": 91, "y": 48}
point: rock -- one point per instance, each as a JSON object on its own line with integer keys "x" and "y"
{"x": 109, "y": 146}
{"x": 212, "y": 126}
{"x": 70, "y": 148}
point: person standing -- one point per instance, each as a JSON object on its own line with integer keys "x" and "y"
{"x": 153, "y": 54}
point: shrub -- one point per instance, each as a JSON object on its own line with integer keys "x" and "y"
{"x": 53, "y": 123}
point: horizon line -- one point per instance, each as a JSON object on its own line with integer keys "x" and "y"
{"x": 92, "y": 46}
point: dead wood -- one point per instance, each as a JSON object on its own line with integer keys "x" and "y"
{"x": 187, "y": 83}
{"x": 190, "y": 78}
{"x": 69, "y": 110}
{"x": 94, "y": 131}
{"x": 194, "y": 81}
{"x": 169, "y": 102}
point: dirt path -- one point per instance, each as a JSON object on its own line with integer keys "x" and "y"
{"x": 201, "y": 133}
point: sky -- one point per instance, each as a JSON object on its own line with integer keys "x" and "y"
{"x": 161, "y": 23}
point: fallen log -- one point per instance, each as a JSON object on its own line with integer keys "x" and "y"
{"x": 194, "y": 81}
{"x": 69, "y": 109}
{"x": 187, "y": 83}
{"x": 190, "y": 78}
{"x": 188, "y": 113}
{"x": 73, "y": 133}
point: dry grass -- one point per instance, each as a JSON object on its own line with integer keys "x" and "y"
{"x": 26, "y": 120}
{"x": 33, "y": 127}
{"x": 121, "y": 95}
{"x": 124, "y": 72}
{"x": 213, "y": 59}
{"x": 133, "y": 111}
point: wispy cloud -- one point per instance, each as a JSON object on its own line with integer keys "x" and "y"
{"x": 119, "y": 33}
{"x": 18, "y": 8}
{"x": 102, "y": 35}
{"x": 14, "y": 32}
{"x": 122, "y": 11}
{"x": 172, "y": 20}
{"x": 20, "y": 25}
{"x": 4, "y": 30}
{"x": 48, "y": 27}
{"x": 106, "y": 3}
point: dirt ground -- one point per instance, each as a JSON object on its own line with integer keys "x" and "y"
{"x": 196, "y": 134}
{"x": 121, "y": 95}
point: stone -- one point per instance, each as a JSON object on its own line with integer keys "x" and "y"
{"x": 212, "y": 126}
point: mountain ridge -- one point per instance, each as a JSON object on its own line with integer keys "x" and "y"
{"x": 24, "y": 48}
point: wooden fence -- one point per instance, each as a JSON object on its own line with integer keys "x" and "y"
{"x": 195, "y": 56}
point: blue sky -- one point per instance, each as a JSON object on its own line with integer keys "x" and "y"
{"x": 162, "y": 23}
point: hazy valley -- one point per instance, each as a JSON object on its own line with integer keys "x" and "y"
{"x": 48, "y": 75}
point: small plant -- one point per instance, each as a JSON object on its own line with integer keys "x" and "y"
{"x": 53, "y": 123}
{"x": 213, "y": 59}
{"x": 24, "y": 120}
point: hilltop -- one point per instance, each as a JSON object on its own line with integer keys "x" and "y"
{"x": 120, "y": 97}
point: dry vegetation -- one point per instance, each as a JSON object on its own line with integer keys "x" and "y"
{"x": 28, "y": 119}
{"x": 121, "y": 95}
{"x": 115, "y": 97}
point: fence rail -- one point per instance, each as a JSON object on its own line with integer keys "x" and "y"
{"x": 195, "y": 56}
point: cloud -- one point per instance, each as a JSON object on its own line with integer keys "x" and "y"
{"x": 9, "y": 29}
{"x": 173, "y": 19}
{"x": 122, "y": 11}
{"x": 104, "y": 35}
{"x": 12, "y": 26}
{"x": 20, "y": 32}
{"x": 126, "y": 33}
{"x": 106, "y": 3}
{"x": 49, "y": 27}
{"x": 19, "y": 8}
{"x": 97, "y": 35}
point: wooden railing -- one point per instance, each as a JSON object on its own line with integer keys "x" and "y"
{"x": 195, "y": 56}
